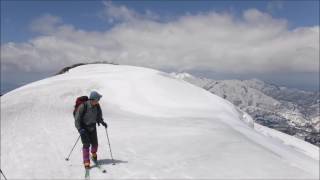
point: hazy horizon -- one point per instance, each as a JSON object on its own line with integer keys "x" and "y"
{"x": 307, "y": 86}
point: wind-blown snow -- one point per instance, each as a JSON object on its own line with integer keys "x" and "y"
{"x": 159, "y": 127}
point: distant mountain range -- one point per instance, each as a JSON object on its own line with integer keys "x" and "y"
{"x": 291, "y": 111}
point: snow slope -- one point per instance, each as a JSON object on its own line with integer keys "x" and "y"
{"x": 292, "y": 111}
{"x": 159, "y": 127}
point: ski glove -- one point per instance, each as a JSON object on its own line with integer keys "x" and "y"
{"x": 82, "y": 131}
{"x": 98, "y": 122}
{"x": 104, "y": 124}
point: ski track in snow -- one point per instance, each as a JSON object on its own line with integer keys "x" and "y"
{"x": 158, "y": 127}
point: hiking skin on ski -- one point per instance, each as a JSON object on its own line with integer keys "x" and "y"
{"x": 97, "y": 165}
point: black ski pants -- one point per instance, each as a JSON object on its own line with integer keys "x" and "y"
{"x": 89, "y": 138}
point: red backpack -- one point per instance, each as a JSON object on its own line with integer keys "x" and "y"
{"x": 80, "y": 100}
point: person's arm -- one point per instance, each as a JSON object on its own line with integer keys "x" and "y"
{"x": 100, "y": 118}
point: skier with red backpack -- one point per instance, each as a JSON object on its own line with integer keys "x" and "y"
{"x": 87, "y": 114}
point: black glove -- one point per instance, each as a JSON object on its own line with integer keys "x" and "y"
{"x": 104, "y": 124}
{"x": 99, "y": 121}
{"x": 82, "y": 131}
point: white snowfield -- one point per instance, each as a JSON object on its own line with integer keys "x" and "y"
{"x": 159, "y": 128}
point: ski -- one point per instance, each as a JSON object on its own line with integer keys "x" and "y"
{"x": 87, "y": 174}
{"x": 96, "y": 164}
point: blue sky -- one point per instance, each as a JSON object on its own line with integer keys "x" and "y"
{"x": 275, "y": 41}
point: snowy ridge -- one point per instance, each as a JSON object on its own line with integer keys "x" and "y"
{"x": 301, "y": 146}
{"x": 292, "y": 111}
{"x": 160, "y": 128}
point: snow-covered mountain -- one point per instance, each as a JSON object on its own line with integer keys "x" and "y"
{"x": 292, "y": 111}
{"x": 159, "y": 127}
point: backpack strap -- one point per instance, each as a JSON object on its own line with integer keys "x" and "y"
{"x": 84, "y": 110}
{"x": 83, "y": 113}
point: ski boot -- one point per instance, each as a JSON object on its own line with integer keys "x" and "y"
{"x": 87, "y": 165}
{"x": 94, "y": 157}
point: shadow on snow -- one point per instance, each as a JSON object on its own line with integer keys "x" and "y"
{"x": 109, "y": 161}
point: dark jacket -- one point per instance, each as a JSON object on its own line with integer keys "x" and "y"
{"x": 87, "y": 116}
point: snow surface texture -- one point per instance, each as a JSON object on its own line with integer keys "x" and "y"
{"x": 159, "y": 127}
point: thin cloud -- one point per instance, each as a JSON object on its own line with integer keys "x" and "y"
{"x": 123, "y": 14}
{"x": 46, "y": 24}
{"x": 274, "y": 5}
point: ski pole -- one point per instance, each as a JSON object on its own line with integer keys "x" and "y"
{"x": 110, "y": 147}
{"x": 3, "y": 174}
{"x": 67, "y": 159}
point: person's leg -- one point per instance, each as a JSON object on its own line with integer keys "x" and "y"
{"x": 85, "y": 149}
{"x": 85, "y": 154}
{"x": 94, "y": 144}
